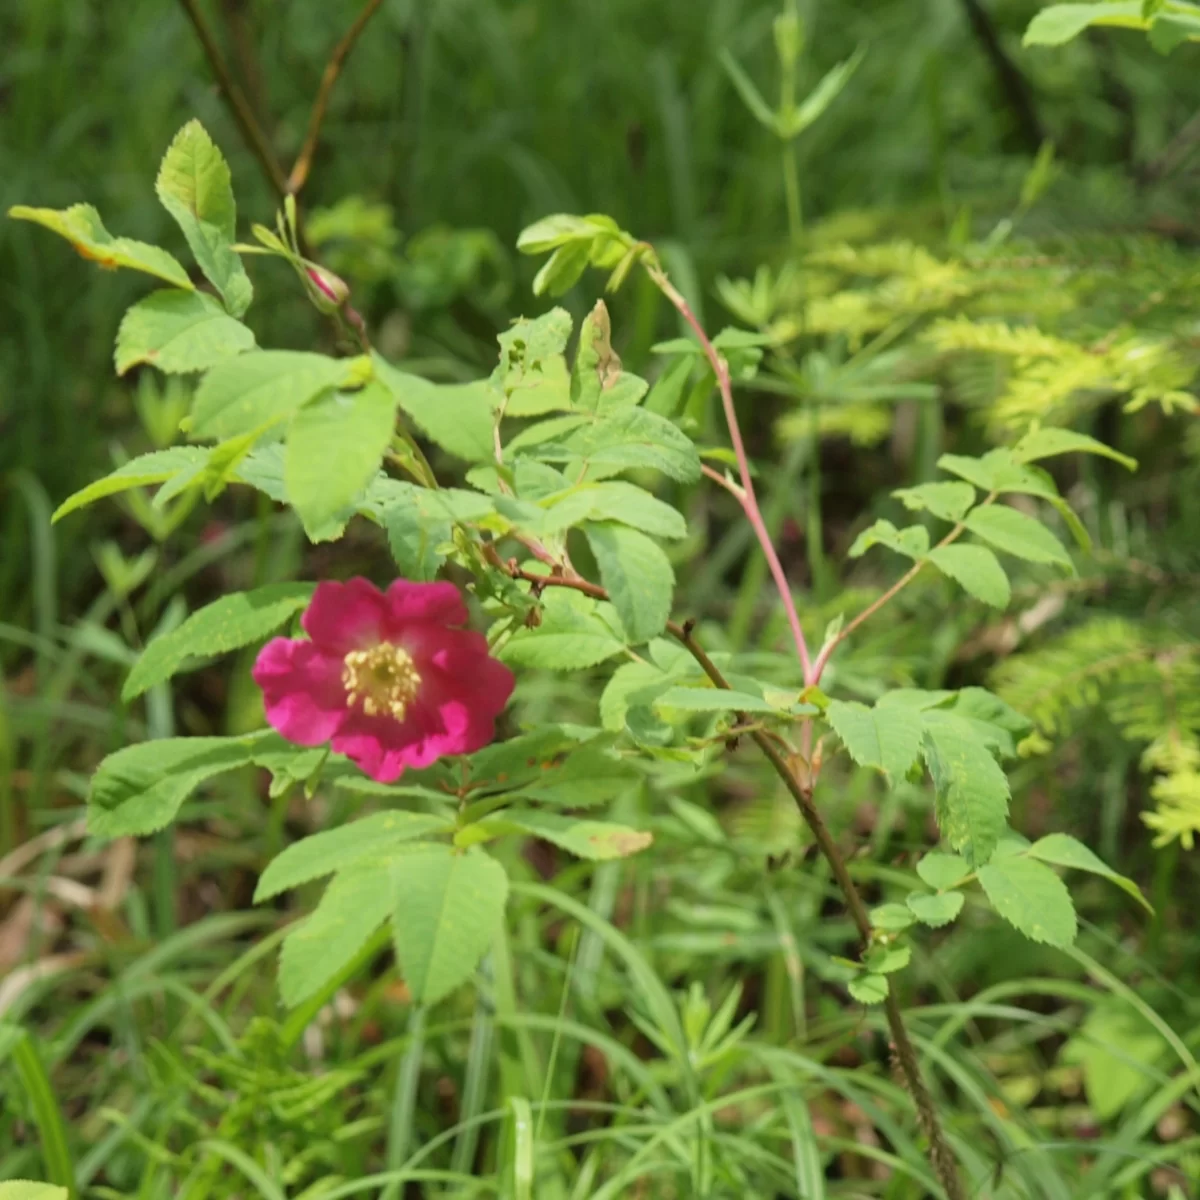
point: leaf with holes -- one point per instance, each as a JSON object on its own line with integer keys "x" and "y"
{"x": 447, "y": 907}
{"x": 532, "y": 376}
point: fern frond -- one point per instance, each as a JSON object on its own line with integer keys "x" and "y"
{"x": 1148, "y": 687}
{"x": 1176, "y": 791}
{"x": 1050, "y": 684}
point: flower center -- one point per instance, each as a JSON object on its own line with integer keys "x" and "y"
{"x": 383, "y": 680}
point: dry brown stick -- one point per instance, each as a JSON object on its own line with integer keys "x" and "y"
{"x": 801, "y": 790}
{"x": 236, "y": 100}
{"x": 333, "y": 67}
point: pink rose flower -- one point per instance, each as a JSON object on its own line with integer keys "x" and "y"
{"x": 388, "y": 678}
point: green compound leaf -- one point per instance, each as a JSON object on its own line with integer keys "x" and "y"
{"x": 1118, "y": 1052}
{"x": 447, "y": 907}
{"x": 869, "y": 988}
{"x": 256, "y": 390}
{"x": 977, "y": 570}
{"x": 887, "y": 960}
{"x": 1002, "y": 472}
{"x": 572, "y": 636}
{"x": 458, "y": 417}
{"x": 562, "y": 270}
{"x": 194, "y": 186}
{"x": 637, "y": 575}
{"x": 226, "y": 624}
{"x": 1031, "y": 898}
{"x": 949, "y": 501}
{"x": 560, "y": 228}
{"x": 613, "y": 500}
{"x": 334, "y": 448}
{"x": 1062, "y": 850}
{"x": 705, "y": 698}
{"x": 912, "y": 542}
{"x": 179, "y": 331}
{"x": 1060, "y": 23}
{"x": 81, "y": 226}
{"x": 886, "y": 737}
{"x": 156, "y": 467}
{"x": 420, "y": 523}
{"x": 1048, "y": 443}
{"x": 972, "y": 790}
{"x": 1018, "y": 535}
{"x": 140, "y": 788}
{"x": 942, "y": 871}
{"x": 334, "y": 849}
{"x": 27, "y": 1189}
{"x": 354, "y": 905}
{"x": 935, "y": 910}
{"x": 597, "y": 841}
{"x": 622, "y": 440}
{"x": 590, "y": 776}
{"x": 891, "y": 918}
{"x": 636, "y": 684}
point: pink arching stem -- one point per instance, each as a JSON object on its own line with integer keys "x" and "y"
{"x": 747, "y": 498}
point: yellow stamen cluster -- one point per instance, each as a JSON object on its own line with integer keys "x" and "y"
{"x": 382, "y": 680}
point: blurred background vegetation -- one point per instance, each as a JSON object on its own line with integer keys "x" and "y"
{"x": 951, "y": 280}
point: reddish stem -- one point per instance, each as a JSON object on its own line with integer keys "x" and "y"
{"x": 747, "y": 498}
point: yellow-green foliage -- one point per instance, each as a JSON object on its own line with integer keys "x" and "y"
{"x": 1061, "y": 332}
{"x": 1146, "y": 683}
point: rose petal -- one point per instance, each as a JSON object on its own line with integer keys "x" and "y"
{"x": 409, "y": 603}
{"x": 454, "y": 712}
{"x": 383, "y": 748}
{"x": 302, "y": 690}
{"x": 346, "y": 616}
